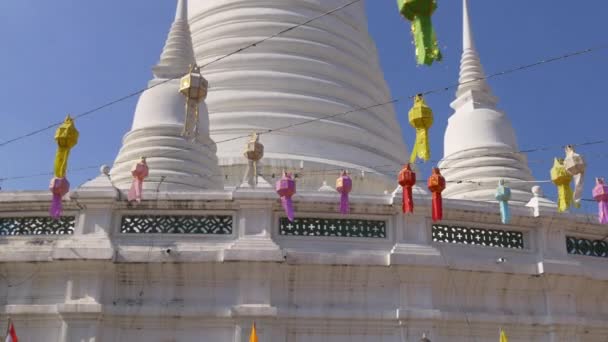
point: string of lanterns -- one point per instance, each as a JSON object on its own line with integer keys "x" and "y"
{"x": 194, "y": 88}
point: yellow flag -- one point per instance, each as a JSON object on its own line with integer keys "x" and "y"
{"x": 254, "y": 336}
{"x": 503, "y": 336}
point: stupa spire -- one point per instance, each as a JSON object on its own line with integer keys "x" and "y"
{"x": 480, "y": 144}
{"x": 178, "y": 53}
{"x": 472, "y": 75}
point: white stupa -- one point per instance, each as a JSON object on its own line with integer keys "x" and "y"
{"x": 176, "y": 163}
{"x": 480, "y": 145}
{"x": 199, "y": 260}
{"x": 328, "y": 66}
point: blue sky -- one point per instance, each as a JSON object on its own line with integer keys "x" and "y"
{"x": 68, "y": 56}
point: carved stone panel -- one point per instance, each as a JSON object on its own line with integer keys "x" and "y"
{"x": 352, "y": 228}
{"x": 173, "y": 224}
{"x": 478, "y": 236}
{"x": 43, "y": 225}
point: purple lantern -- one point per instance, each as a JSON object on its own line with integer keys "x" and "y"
{"x": 59, "y": 187}
{"x": 286, "y": 187}
{"x": 600, "y": 194}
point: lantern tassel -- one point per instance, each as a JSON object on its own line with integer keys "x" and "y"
{"x": 56, "y": 207}
{"x": 579, "y": 184}
{"x": 603, "y": 212}
{"x": 344, "y": 204}
{"x": 564, "y": 197}
{"x": 437, "y": 207}
{"x": 505, "y": 212}
{"x": 421, "y": 146}
{"x": 408, "y": 200}
{"x": 136, "y": 190}
{"x": 288, "y": 207}
{"x": 425, "y": 40}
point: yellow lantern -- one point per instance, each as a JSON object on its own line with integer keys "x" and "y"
{"x": 421, "y": 118}
{"x": 194, "y": 87}
{"x": 561, "y": 178}
{"x": 66, "y": 137}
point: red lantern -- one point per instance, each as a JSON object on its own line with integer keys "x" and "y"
{"x": 436, "y": 185}
{"x": 344, "y": 185}
{"x": 286, "y": 187}
{"x": 407, "y": 179}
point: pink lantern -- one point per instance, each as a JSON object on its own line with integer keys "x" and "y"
{"x": 59, "y": 187}
{"x": 600, "y": 194}
{"x": 344, "y": 185}
{"x": 139, "y": 171}
{"x": 286, "y": 187}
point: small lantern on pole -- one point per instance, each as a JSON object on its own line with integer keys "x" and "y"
{"x": 600, "y": 194}
{"x": 139, "y": 171}
{"x": 194, "y": 87}
{"x": 254, "y": 152}
{"x": 562, "y": 178}
{"x": 436, "y": 184}
{"x": 286, "y": 188}
{"x": 503, "y": 195}
{"x": 575, "y": 165}
{"x": 344, "y": 185}
{"x": 407, "y": 179}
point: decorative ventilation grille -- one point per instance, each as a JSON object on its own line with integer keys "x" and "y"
{"x": 477, "y": 236}
{"x": 25, "y": 226}
{"x": 578, "y": 246}
{"x": 333, "y": 227}
{"x": 148, "y": 224}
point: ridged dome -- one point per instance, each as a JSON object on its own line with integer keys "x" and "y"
{"x": 325, "y": 67}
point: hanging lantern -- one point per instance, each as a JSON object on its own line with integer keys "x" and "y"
{"x": 194, "y": 87}
{"x": 419, "y": 12}
{"x": 421, "y": 118}
{"x": 575, "y": 165}
{"x": 600, "y": 194}
{"x": 66, "y": 138}
{"x": 344, "y": 185}
{"x": 561, "y": 178}
{"x": 254, "y": 152}
{"x": 407, "y": 179}
{"x": 286, "y": 187}
{"x": 436, "y": 184}
{"x": 534, "y": 202}
{"x": 503, "y": 195}
{"x": 59, "y": 187}
{"x": 139, "y": 171}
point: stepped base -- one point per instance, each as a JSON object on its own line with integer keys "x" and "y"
{"x": 176, "y": 164}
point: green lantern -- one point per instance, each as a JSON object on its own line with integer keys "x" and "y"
{"x": 419, "y": 13}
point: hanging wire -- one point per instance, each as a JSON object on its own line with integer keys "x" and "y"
{"x": 394, "y": 168}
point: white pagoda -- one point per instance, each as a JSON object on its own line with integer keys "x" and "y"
{"x": 208, "y": 251}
